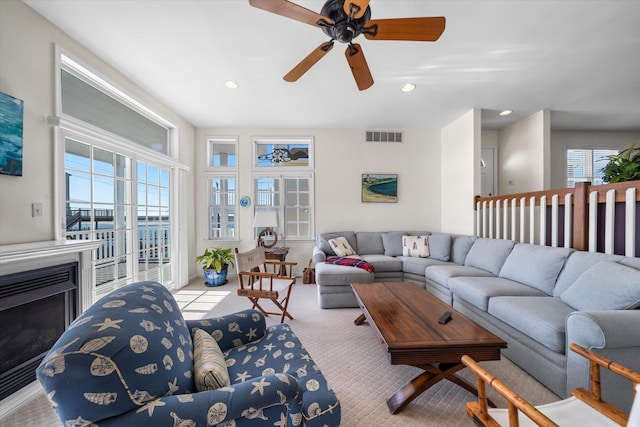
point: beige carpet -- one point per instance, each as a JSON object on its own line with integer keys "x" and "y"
{"x": 350, "y": 357}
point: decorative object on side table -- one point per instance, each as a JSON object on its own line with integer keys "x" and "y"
{"x": 266, "y": 219}
{"x": 215, "y": 263}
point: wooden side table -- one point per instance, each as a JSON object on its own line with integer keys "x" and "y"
{"x": 279, "y": 254}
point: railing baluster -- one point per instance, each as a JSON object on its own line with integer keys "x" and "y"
{"x": 554, "y": 221}
{"x": 484, "y": 219}
{"x": 514, "y": 221}
{"x": 568, "y": 220}
{"x": 543, "y": 220}
{"x": 491, "y": 236}
{"x": 532, "y": 220}
{"x": 498, "y": 219}
{"x": 523, "y": 226}
{"x": 630, "y": 223}
{"x": 610, "y": 222}
{"x": 593, "y": 221}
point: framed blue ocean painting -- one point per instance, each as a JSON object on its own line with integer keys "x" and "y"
{"x": 11, "y": 117}
{"x": 379, "y": 188}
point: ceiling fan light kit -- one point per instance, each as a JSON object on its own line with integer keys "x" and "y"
{"x": 343, "y": 21}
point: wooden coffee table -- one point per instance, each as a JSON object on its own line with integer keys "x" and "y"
{"x": 405, "y": 319}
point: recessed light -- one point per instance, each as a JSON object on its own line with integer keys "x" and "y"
{"x": 231, "y": 84}
{"x": 505, "y": 112}
{"x": 408, "y": 87}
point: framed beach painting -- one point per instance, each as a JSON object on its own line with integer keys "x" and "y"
{"x": 11, "y": 117}
{"x": 379, "y": 188}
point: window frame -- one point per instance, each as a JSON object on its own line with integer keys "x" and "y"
{"x": 594, "y": 178}
{"x": 210, "y": 206}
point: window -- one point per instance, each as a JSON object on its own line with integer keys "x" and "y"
{"x": 222, "y": 178}
{"x": 586, "y": 165}
{"x": 118, "y": 179}
{"x": 222, "y": 207}
{"x": 283, "y": 180}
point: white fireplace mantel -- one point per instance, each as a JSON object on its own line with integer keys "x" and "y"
{"x": 30, "y": 256}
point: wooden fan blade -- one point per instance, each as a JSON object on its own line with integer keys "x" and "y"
{"x": 308, "y": 62}
{"x": 290, "y": 10}
{"x": 359, "y": 67}
{"x": 410, "y": 29}
{"x": 360, "y": 5}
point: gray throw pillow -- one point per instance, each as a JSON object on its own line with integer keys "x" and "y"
{"x": 606, "y": 285}
{"x": 440, "y": 246}
{"x": 392, "y": 242}
{"x": 534, "y": 265}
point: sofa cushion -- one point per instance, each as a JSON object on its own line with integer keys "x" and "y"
{"x": 383, "y": 263}
{"x": 541, "y": 318}
{"x": 460, "y": 246}
{"x": 442, "y": 273}
{"x": 323, "y": 240}
{"x": 478, "y": 290}
{"x": 340, "y": 275}
{"x": 209, "y": 367}
{"x": 415, "y": 265}
{"x": 577, "y": 263}
{"x": 489, "y": 254}
{"x": 369, "y": 242}
{"x": 534, "y": 265}
{"x": 607, "y": 285}
{"x": 341, "y": 246}
{"x": 440, "y": 246}
{"x": 392, "y": 242}
{"x": 415, "y": 246}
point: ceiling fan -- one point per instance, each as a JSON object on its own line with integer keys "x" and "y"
{"x": 344, "y": 20}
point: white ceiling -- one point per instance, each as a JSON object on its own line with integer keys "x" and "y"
{"x": 580, "y": 59}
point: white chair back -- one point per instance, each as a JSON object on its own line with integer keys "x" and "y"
{"x": 634, "y": 416}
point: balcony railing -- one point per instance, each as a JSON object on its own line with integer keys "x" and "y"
{"x": 597, "y": 218}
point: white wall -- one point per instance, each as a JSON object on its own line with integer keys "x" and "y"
{"x": 460, "y": 175}
{"x": 341, "y": 157}
{"x": 27, "y": 66}
{"x": 562, "y": 140}
{"x": 524, "y": 154}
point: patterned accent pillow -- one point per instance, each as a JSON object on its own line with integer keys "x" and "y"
{"x": 341, "y": 246}
{"x": 415, "y": 246}
{"x": 209, "y": 366}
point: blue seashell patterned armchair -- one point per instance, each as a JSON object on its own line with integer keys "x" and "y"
{"x": 129, "y": 361}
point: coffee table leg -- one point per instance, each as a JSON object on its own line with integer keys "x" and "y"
{"x": 360, "y": 319}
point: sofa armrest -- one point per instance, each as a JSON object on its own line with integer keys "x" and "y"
{"x": 234, "y": 329}
{"x": 210, "y": 408}
{"x": 318, "y": 255}
{"x": 613, "y": 334}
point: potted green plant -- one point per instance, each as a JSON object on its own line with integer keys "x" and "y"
{"x": 624, "y": 166}
{"x": 215, "y": 263}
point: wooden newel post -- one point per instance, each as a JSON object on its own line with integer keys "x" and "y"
{"x": 581, "y": 216}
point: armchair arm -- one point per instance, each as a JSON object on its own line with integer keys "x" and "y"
{"x": 318, "y": 255}
{"x": 210, "y": 408}
{"x": 234, "y": 329}
{"x": 479, "y": 410}
{"x": 615, "y": 335}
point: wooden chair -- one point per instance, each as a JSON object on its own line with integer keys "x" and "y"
{"x": 583, "y": 409}
{"x": 262, "y": 279}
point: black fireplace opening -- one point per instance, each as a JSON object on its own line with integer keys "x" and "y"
{"x": 36, "y": 307}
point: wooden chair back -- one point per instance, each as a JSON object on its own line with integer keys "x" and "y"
{"x": 481, "y": 415}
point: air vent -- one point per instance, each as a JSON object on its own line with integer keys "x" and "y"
{"x": 383, "y": 136}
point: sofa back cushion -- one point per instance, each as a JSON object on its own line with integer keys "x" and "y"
{"x": 460, "y": 246}
{"x": 440, "y": 246}
{"x": 577, "y": 263}
{"x": 322, "y": 240}
{"x": 489, "y": 254}
{"x": 607, "y": 285}
{"x": 534, "y": 265}
{"x": 392, "y": 242}
{"x": 369, "y": 242}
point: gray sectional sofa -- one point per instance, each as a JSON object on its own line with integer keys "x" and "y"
{"x": 537, "y": 298}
